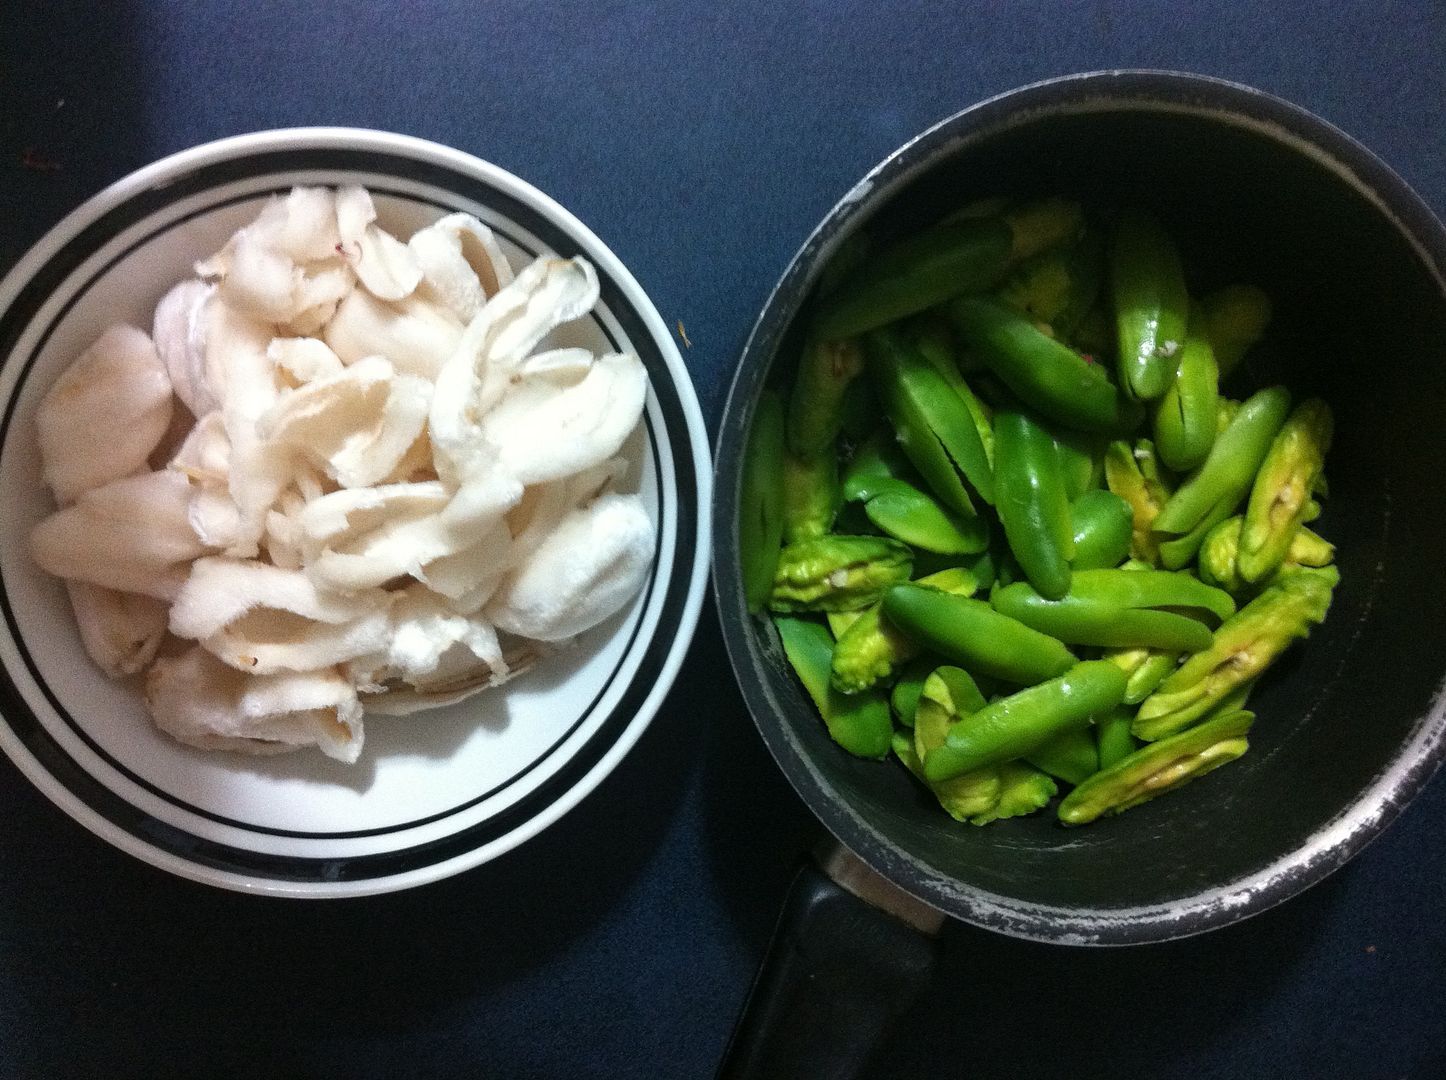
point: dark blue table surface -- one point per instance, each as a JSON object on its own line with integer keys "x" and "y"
{"x": 702, "y": 142}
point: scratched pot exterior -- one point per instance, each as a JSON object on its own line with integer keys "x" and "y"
{"x": 1353, "y": 723}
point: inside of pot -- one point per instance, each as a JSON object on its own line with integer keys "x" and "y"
{"x": 1359, "y": 321}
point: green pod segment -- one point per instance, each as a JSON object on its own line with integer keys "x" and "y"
{"x": 984, "y": 567}
{"x": 934, "y": 426}
{"x": 904, "y": 696}
{"x": 954, "y": 580}
{"x": 1046, "y": 375}
{"x": 1113, "y": 740}
{"x": 927, "y": 563}
{"x": 1015, "y": 726}
{"x": 1243, "y": 646}
{"x": 1227, "y": 409}
{"x": 1082, "y": 457}
{"x": 1006, "y": 570}
{"x": 933, "y": 339}
{"x": 949, "y": 693}
{"x": 1005, "y": 791}
{"x": 838, "y": 573}
{"x": 871, "y": 649}
{"x": 812, "y": 495}
{"x": 760, "y": 502}
{"x": 1282, "y": 489}
{"x": 1144, "y": 669}
{"x": 1210, "y": 495}
{"x": 1217, "y": 556}
{"x": 1235, "y": 319}
{"x": 1032, "y": 504}
{"x": 1103, "y": 529}
{"x": 964, "y": 695}
{"x": 953, "y": 257}
{"x": 1022, "y": 791}
{"x": 1121, "y": 609}
{"x": 983, "y": 417}
{"x": 876, "y": 478}
{"x": 1151, "y": 304}
{"x": 902, "y": 744}
{"x": 971, "y": 798}
{"x": 1058, "y": 286}
{"x": 867, "y": 652}
{"x": 1157, "y": 768}
{"x": 1133, "y": 473}
{"x": 1184, "y": 418}
{"x": 904, "y": 512}
{"x": 860, "y": 723}
{"x": 1154, "y": 670}
{"x": 1221, "y": 548}
{"x": 1309, "y": 549}
{"x": 1234, "y": 701}
{"x": 1144, "y": 587}
{"x": 1039, "y": 288}
{"x": 972, "y": 634}
{"x": 876, "y": 456}
{"x": 1070, "y": 757}
{"x": 1232, "y": 464}
{"x": 1176, "y": 552}
{"x": 1127, "y": 659}
{"x": 826, "y": 369}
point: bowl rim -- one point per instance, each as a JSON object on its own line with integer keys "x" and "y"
{"x": 1339, "y": 839}
{"x": 695, "y": 474}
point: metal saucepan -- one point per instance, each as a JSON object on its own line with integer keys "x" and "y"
{"x": 1350, "y": 727}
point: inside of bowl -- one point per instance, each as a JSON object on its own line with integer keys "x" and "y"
{"x": 458, "y": 763}
{"x": 1360, "y": 321}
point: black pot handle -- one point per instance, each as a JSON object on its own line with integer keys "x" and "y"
{"x": 838, "y": 973}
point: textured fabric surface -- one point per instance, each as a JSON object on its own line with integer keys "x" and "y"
{"x": 702, "y": 142}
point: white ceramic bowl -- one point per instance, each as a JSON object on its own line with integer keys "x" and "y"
{"x": 434, "y": 793}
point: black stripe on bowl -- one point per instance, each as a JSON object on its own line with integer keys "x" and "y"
{"x": 289, "y": 868}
